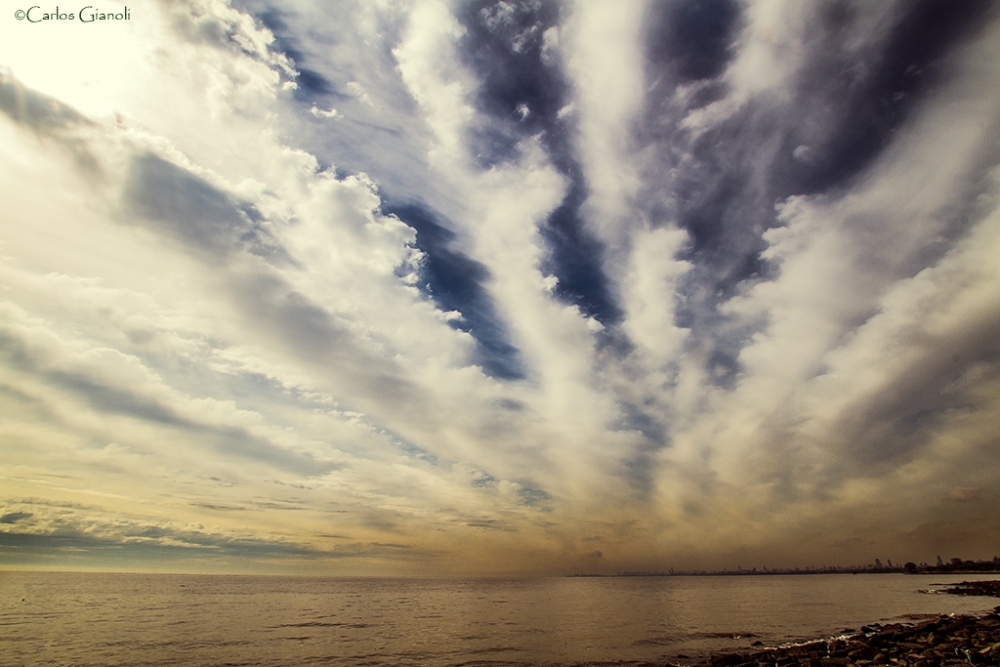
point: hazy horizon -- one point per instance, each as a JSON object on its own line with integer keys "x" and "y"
{"x": 427, "y": 287}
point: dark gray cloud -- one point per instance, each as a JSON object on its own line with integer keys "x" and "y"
{"x": 214, "y": 227}
{"x": 533, "y": 496}
{"x": 576, "y": 258}
{"x": 34, "y": 109}
{"x": 50, "y": 118}
{"x": 216, "y": 507}
{"x": 456, "y": 283}
{"x": 946, "y": 384}
{"x": 313, "y": 86}
{"x": 309, "y": 332}
{"x": 148, "y": 542}
{"x": 114, "y": 399}
{"x": 380, "y": 551}
{"x": 205, "y": 219}
{"x": 843, "y": 109}
{"x": 693, "y": 38}
{"x": 90, "y": 535}
{"x": 522, "y": 89}
{"x": 851, "y": 102}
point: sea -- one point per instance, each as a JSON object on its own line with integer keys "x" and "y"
{"x": 73, "y": 618}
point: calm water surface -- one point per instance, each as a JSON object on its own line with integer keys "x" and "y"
{"x": 133, "y": 619}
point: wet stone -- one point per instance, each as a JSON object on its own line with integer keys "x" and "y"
{"x": 947, "y": 640}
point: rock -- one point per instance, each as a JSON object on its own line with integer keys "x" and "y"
{"x": 946, "y": 640}
{"x": 986, "y": 588}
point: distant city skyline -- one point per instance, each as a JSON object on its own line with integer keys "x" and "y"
{"x": 499, "y": 287}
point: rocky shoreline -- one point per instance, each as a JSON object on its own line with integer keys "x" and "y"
{"x": 942, "y": 641}
{"x": 986, "y": 588}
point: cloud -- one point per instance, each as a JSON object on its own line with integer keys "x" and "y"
{"x": 319, "y": 113}
{"x": 104, "y": 538}
{"x": 964, "y": 494}
{"x": 201, "y": 217}
{"x": 34, "y": 109}
{"x": 456, "y": 284}
{"x": 463, "y": 288}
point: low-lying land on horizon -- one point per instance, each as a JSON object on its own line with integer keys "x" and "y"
{"x": 954, "y": 566}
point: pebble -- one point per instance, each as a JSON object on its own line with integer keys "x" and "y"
{"x": 945, "y": 640}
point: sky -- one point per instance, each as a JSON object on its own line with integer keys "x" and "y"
{"x": 394, "y": 287}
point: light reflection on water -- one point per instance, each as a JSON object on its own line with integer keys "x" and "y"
{"x": 140, "y": 619}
